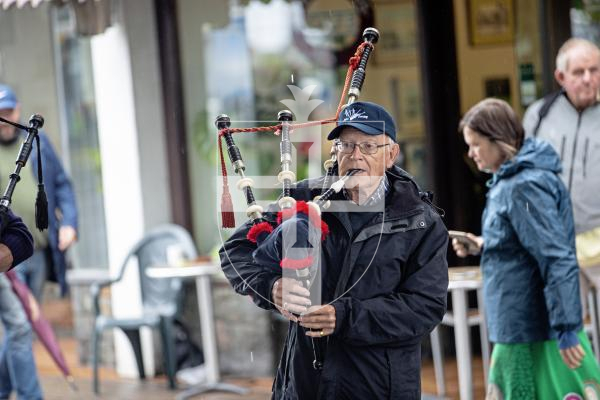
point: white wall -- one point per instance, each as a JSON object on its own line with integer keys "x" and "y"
{"x": 140, "y": 24}
{"x": 119, "y": 154}
{"x": 130, "y": 127}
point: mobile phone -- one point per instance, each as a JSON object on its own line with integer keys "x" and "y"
{"x": 465, "y": 240}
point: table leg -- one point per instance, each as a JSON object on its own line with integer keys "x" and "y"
{"x": 593, "y": 310}
{"x": 485, "y": 343}
{"x": 207, "y": 326}
{"x": 438, "y": 361}
{"x": 203, "y": 388}
{"x": 463, "y": 348}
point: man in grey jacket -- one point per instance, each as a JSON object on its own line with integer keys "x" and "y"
{"x": 570, "y": 121}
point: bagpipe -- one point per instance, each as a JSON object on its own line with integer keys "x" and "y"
{"x": 297, "y": 221}
{"x": 41, "y": 203}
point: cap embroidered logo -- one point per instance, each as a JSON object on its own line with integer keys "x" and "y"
{"x": 352, "y": 114}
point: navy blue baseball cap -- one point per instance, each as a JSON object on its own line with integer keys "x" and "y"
{"x": 8, "y": 99}
{"x": 369, "y": 118}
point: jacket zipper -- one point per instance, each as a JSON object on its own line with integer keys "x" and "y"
{"x": 562, "y": 148}
{"x": 585, "y": 153}
{"x": 574, "y": 152}
{"x": 338, "y": 289}
{"x": 399, "y": 217}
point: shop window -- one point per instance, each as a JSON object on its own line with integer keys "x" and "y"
{"x": 248, "y": 54}
{"x": 80, "y": 136}
{"x": 585, "y": 20}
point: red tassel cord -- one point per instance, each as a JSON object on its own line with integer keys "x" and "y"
{"x": 227, "y": 215}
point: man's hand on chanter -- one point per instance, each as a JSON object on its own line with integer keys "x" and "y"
{"x": 290, "y": 297}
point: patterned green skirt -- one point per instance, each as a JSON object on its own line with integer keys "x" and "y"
{"x": 530, "y": 371}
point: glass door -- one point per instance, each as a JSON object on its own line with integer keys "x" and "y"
{"x": 80, "y": 136}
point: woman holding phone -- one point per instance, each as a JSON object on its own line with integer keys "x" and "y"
{"x": 530, "y": 272}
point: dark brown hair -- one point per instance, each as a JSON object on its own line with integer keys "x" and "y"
{"x": 496, "y": 120}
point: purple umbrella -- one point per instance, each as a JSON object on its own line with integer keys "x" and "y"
{"x": 41, "y": 326}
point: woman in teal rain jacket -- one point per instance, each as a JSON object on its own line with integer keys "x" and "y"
{"x": 530, "y": 272}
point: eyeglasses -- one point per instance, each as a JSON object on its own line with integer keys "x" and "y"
{"x": 365, "y": 147}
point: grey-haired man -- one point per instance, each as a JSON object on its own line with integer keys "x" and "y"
{"x": 384, "y": 275}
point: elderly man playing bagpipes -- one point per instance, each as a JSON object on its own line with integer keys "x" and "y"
{"x": 379, "y": 248}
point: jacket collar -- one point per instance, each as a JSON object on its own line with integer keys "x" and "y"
{"x": 402, "y": 197}
{"x": 378, "y": 195}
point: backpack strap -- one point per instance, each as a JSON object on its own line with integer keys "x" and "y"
{"x": 549, "y": 99}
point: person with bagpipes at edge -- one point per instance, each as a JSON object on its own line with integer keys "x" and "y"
{"x": 383, "y": 270}
{"x": 17, "y": 364}
{"x": 49, "y": 259}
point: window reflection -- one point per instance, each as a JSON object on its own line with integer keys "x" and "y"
{"x": 80, "y": 137}
{"x": 252, "y": 51}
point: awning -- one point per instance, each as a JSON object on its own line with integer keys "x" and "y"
{"x": 92, "y": 17}
{"x": 22, "y": 3}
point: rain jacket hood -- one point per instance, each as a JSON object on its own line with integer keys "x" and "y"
{"x": 533, "y": 154}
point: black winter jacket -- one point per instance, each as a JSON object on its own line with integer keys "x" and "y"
{"x": 388, "y": 283}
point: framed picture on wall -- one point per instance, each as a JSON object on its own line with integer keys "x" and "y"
{"x": 395, "y": 21}
{"x": 491, "y": 21}
{"x": 405, "y": 95}
{"x": 414, "y": 159}
{"x": 498, "y": 88}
